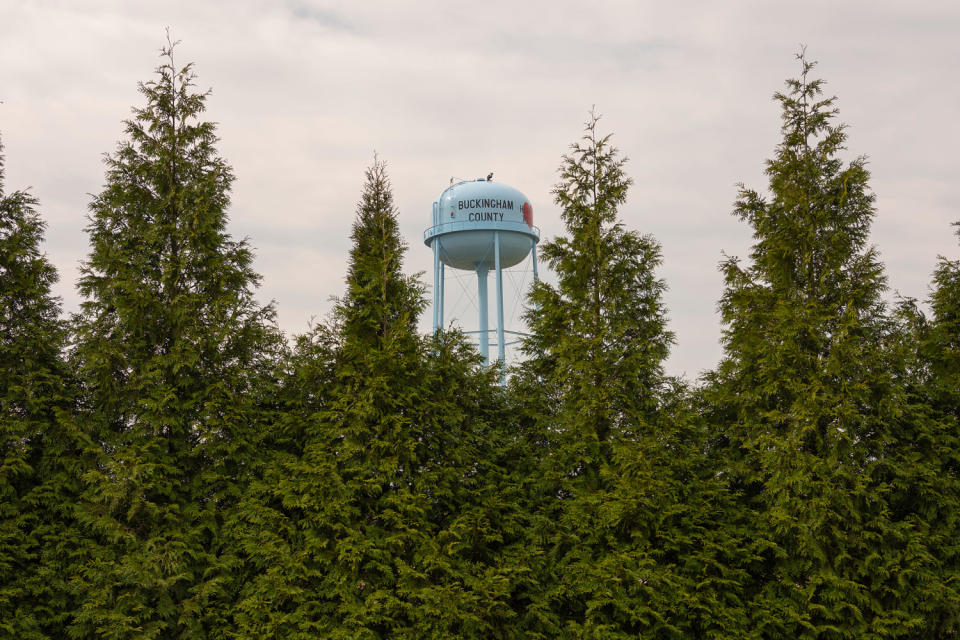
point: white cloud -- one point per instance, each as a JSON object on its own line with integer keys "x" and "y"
{"x": 306, "y": 91}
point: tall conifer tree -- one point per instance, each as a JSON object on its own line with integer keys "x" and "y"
{"x": 946, "y": 308}
{"x": 364, "y": 456}
{"x": 944, "y": 346}
{"x": 173, "y": 350}
{"x": 357, "y": 527}
{"x": 37, "y": 446}
{"x": 927, "y": 476}
{"x": 808, "y": 393}
{"x": 617, "y": 443}
{"x": 598, "y": 338}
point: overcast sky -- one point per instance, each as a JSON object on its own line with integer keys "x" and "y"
{"x": 305, "y": 92}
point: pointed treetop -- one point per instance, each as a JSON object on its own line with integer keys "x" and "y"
{"x": 380, "y": 300}
{"x": 21, "y": 230}
{"x": 25, "y": 273}
{"x": 598, "y": 336}
{"x": 593, "y": 183}
{"x": 804, "y": 116}
{"x": 168, "y": 164}
{"x": 814, "y": 227}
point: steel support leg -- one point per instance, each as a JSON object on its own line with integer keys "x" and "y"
{"x": 442, "y": 294}
{"x": 484, "y": 333}
{"x": 436, "y": 277}
{"x": 501, "y": 339}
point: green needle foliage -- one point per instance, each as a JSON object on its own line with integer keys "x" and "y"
{"x": 598, "y": 338}
{"x": 37, "y": 446}
{"x": 174, "y": 352}
{"x": 359, "y": 471}
{"x": 276, "y": 520}
{"x": 618, "y": 443}
{"x": 360, "y": 530}
{"x": 945, "y": 302}
{"x": 809, "y": 395}
{"x": 919, "y": 474}
{"x": 930, "y": 493}
{"x": 944, "y": 346}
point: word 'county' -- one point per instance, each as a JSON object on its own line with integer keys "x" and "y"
{"x": 485, "y": 216}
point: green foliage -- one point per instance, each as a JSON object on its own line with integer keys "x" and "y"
{"x": 945, "y": 337}
{"x": 193, "y": 477}
{"x": 927, "y": 473}
{"x": 373, "y": 520}
{"x": 174, "y": 353}
{"x": 810, "y": 395}
{"x": 598, "y": 338}
{"x": 616, "y": 518}
{"x": 381, "y": 306}
{"x": 363, "y": 463}
{"x": 36, "y": 441}
{"x": 919, "y": 473}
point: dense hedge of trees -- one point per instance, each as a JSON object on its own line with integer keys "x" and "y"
{"x": 171, "y": 466}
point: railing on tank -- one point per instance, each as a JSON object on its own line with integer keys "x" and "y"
{"x": 466, "y": 225}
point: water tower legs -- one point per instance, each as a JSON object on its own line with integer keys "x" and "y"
{"x": 533, "y": 253}
{"x": 484, "y": 333}
{"x": 501, "y": 342}
{"x": 436, "y": 288}
{"x": 438, "y": 282}
{"x": 442, "y": 292}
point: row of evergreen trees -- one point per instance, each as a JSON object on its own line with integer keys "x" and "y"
{"x": 172, "y": 467}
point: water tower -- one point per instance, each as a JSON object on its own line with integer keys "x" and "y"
{"x": 480, "y": 226}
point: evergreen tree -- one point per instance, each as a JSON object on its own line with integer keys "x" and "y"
{"x": 620, "y": 446}
{"x": 919, "y": 473}
{"x": 174, "y": 353}
{"x": 945, "y": 304}
{"x": 275, "y": 518}
{"x": 357, "y": 529}
{"x": 598, "y": 338}
{"x": 362, "y": 461}
{"x": 809, "y": 394}
{"x": 944, "y": 345}
{"x": 925, "y": 475}
{"x": 37, "y": 449}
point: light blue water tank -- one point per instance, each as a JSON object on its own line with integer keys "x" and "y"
{"x": 467, "y": 214}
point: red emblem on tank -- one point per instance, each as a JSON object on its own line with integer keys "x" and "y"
{"x": 528, "y": 214}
